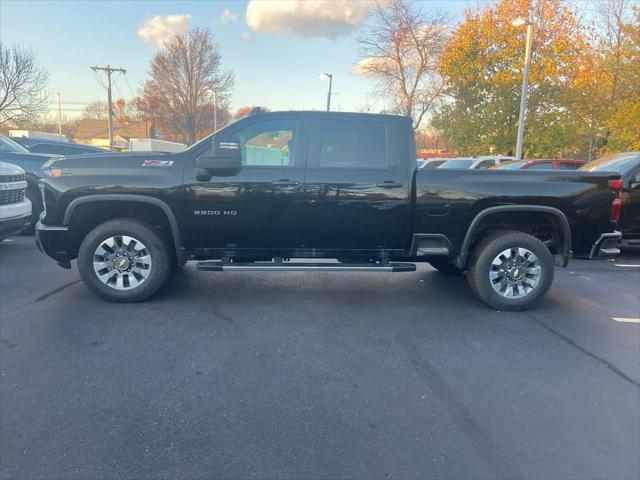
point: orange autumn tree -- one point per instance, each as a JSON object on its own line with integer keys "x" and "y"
{"x": 482, "y": 68}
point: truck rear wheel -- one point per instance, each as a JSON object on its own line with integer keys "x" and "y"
{"x": 124, "y": 260}
{"x": 510, "y": 270}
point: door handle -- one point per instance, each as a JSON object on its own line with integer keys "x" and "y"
{"x": 389, "y": 184}
{"x": 285, "y": 182}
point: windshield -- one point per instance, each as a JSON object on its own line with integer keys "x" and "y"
{"x": 511, "y": 165}
{"x": 458, "y": 163}
{"x": 8, "y": 145}
{"x": 618, "y": 162}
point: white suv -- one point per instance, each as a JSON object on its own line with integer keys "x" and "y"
{"x": 15, "y": 208}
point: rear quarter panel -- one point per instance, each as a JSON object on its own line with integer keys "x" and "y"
{"x": 448, "y": 200}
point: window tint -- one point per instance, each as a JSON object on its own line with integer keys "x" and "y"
{"x": 541, "y": 166}
{"x": 8, "y": 145}
{"x": 485, "y": 164}
{"x": 269, "y": 143}
{"x": 457, "y": 163}
{"x": 619, "y": 162}
{"x": 349, "y": 144}
{"x": 569, "y": 166}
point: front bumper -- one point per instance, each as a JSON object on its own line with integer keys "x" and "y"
{"x": 54, "y": 241}
{"x": 606, "y": 245}
{"x": 14, "y": 217}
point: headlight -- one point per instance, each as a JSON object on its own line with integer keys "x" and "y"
{"x": 51, "y": 172}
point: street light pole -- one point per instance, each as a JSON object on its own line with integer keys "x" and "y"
{"x": 525, "y": 83}
{"x": 330, "y": 77}
{"x": 59, "y": 115}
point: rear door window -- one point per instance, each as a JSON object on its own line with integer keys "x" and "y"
{"x": 569, "y": 166}
{"x": 347, "y": 144}
{"x": 541, "y": 166}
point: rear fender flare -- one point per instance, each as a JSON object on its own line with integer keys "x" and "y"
{"x": 563, "y": 255}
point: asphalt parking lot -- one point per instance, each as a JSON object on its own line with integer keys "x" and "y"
{"x": 299, "y": 375}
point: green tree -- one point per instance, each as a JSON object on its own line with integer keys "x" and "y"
{"x": 616, "y": 93}
{"x": 482, "y": 68}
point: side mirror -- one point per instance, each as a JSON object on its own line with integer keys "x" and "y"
{"x": 223, "y": 158}
{"x": 634, "y": 184}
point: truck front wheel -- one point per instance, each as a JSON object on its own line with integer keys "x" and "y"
{"x": 124, "y": 260}
{"x": 510, "y": 270}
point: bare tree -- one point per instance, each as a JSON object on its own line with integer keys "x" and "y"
{"x": 401, "y": 47}
{"x": 96, "y": 110}
{"x": 184, "y": 75}
{"x": 23, "y": 82}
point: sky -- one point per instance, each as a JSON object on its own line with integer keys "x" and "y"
{"x": 275, "y": 48}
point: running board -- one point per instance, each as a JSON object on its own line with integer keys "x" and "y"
{"x": 217, "y": 266}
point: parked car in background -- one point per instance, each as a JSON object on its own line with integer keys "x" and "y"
{"x": 15, "y": 153}
{"x": 55, "y": 147}
{"x": 15, "y": 208}
{"x": 430, "y": 162}
{"x": 474, "y": 163}
{"x": 628, "y": 166}
{"x": 543, "y": 164}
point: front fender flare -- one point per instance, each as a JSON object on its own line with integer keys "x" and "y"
{"x": 171, "y": 218}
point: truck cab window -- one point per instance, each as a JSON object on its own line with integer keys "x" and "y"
{"x": 269, "y": 143}
{"x": 349, "y": 144}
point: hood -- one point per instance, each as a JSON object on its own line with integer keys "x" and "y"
{"x": 111, "y": 156}
{"x": 10, "y": 169}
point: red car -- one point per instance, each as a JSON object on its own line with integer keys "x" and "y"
{"x": 543, "y": 164}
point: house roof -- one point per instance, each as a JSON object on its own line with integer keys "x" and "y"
{"x": 89, "y": 128}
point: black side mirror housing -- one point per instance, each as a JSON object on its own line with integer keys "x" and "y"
{"x": 634, "y": 184}
{"x": 224, "y": 158}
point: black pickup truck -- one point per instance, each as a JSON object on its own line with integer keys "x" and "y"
{"x": 274, "y": 188}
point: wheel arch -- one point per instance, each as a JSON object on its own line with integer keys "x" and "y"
{"x": 164, "y": 211}
{"x": 481, "y": 224}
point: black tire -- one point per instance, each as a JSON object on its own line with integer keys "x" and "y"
{"x": 445, "y": 267}
{"x": 478, "y": 274}
{"x": 155, "y": 244}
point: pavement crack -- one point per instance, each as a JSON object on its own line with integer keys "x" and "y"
{"x": 580, "y": 348}
{"x": 479, "y": 439}
{"x": 56, "y": 290}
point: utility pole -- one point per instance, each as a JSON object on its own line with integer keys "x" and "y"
{"x": 215, "y": 111}
{"x": 59, "y": 115}
{"x": 108, "y": 70}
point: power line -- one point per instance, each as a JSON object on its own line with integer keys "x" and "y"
{"x": 126, "y": 79}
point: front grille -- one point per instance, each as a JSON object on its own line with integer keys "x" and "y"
{"x": 12, "y": 178}
{"x": 11, "y": 196}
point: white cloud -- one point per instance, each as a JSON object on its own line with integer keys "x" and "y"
{"x": 367, "y": 66}
{"x": 162, "y": 27}
{"x": 307, "y": 18}
{"x": 247, "y": 38}
{"x": 228, "y": 16}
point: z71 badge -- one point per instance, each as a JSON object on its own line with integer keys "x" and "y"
{"x": 157, "y": 163}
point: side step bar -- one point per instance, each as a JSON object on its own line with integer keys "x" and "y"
{"x": 217, "y": 266}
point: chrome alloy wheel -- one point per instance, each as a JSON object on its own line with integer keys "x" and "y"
{"x": 515, "y": 272}
{"x": 122, "y": 262}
